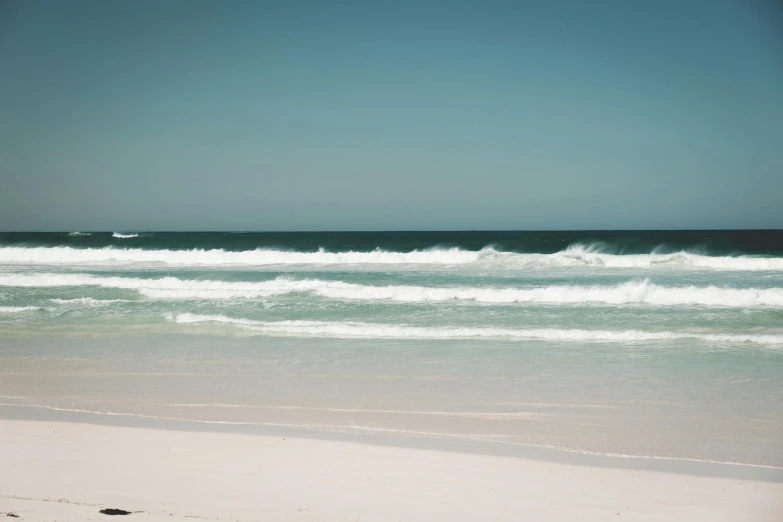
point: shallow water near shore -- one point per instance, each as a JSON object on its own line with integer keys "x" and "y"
{"x": 637, "y": 347}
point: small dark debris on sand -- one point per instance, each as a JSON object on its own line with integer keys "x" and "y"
{"x": 12, "y": 515}
{"x": 115, "y": 512}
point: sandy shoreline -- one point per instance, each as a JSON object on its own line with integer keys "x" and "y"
{"x": 69, "y": 471}
{"x": 413, "y": 440}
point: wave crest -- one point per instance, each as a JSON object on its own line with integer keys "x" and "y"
{"x": 217, "y": 257}
{"x": 119, "y": 235}
{"x": 386, "y": 331}
{"x": 632, "y": 292}
{"x": 88, "y": 301}
{"x": 576, "y": 256}
{"x": 18, "y": 309}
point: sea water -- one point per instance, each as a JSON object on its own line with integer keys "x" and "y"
{"x": 658, "y": 344}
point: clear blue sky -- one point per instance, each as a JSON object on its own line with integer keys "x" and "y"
{"x": 187, "y": 115}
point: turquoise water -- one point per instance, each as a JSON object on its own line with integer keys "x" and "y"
{"x": 637, "y": 343}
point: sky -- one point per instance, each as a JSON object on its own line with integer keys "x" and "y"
{"x": 377, "y": 115}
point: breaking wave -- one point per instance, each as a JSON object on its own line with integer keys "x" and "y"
{"x": 642, "y": 292}
{"x": 77, "y": 234}
{"x": 386, "y": 331}
{"x": 88, "y": 301}
{"x": 18, "y": 309}
{"x": 217, "y": 257}
{"x": 575, "y": 256}
{"x": 123, "y": 236}
{"x": 626, "y": 293}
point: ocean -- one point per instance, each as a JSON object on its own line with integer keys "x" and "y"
{"x": 664, "y": 344}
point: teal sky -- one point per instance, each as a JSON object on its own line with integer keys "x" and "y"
{"x": 194, "y": 115}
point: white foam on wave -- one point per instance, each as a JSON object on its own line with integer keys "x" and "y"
{"x": 217, "y": 257}
{"x": 165, "y": 287}
{"x": 119, "y": 235}
{"x": 575, "y": 256}
{"x": 625, "y": 293}
{"x": 387, "y": 331}
{"x": 18, "y": 309}
{"x": 77, "y": 234}
{"x": 632, "y": 292}
{"x": 89, "y": 301}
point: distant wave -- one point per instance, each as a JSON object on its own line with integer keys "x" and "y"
{"x": 216, "y": 257}
{"x": 76, "y": 234}
{"x": 385, "y": 331}
{"x": 123, "y": 236}
{"x": 642, "y": 292}
{"x": 576, "y": 256}
{"x": 18, "y": 309}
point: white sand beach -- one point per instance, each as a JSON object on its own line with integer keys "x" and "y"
{"x": 62, "y": 471}
{"x": 423, "y": 261}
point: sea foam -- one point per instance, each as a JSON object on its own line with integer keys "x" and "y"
{"x": 119, "y": 235}
{"x": 631, "y": 292}
{"x": 387, "y": 331}
{"x": 88, "y": 301}
{"x": 625, "y": 293}
{"x": 575, "y": 256}
{"x": 18, "y": 309}
{"x": 217, "y": 257}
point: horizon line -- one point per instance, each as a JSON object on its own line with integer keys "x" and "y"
{"x": 389, "y": 231}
